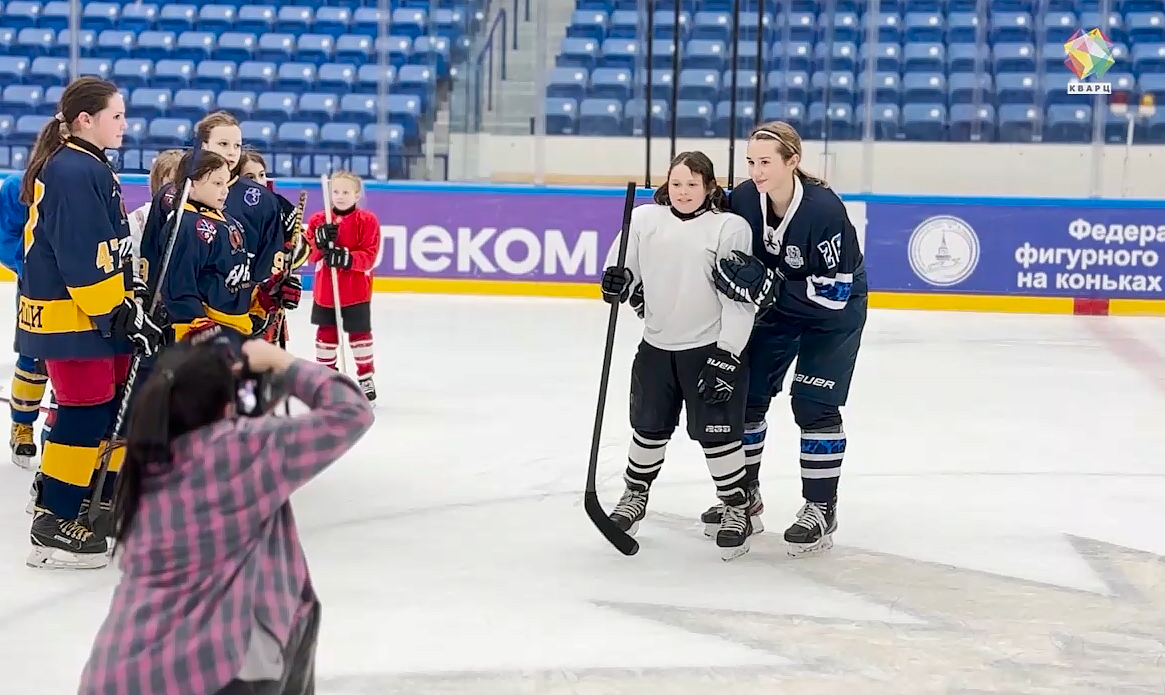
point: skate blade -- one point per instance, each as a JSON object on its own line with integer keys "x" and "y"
{"x": 710, "y": 530}
{"x": 28, "y": 463}
{"x": 727, "y": 554}
{"x": 43, "y": 558}
{"x": 810, "y": 549}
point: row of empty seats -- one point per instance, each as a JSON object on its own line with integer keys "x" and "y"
{"x": 884, "y": 6}
{"x": 928, "y": 122}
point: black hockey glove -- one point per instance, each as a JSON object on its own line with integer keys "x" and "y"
{"x": 130, "y": 321}
{"x": 616, "y": 284}
{"x": 636, "y": 300}
{"x": 338, "y": 257}
{"x": 141, "y": 290}
{"x": 745, "y": 279}
{"x": 325, "y": 236}
{"x": 718, "y": 377}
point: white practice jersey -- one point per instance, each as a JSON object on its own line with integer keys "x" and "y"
{"x": 674, "y": 260}
{"x": 137, "y": 225}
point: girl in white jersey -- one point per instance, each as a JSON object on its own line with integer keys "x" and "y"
{"x": 692, "y": 354}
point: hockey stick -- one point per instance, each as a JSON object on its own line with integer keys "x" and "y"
{"x": 341, "y": 357}
{"x": 623, "y": 542}
{"x": 136, "y": 362}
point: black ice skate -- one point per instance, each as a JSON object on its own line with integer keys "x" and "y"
{"x": 369, "y": 388}
{"x": 103, "y": 524}
{"x": 33, "y": 493}
{"x": 756, "y": 507}
{"x": 23, "y": 445}
{"x": 629, "y": 511}
{"x": 65, "y": 544}
{"x": 734, "y": 534}
{"x": 812, "y": 532}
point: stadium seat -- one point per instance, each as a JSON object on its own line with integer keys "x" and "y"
{"x": 567, "y": 83}
{"x": 95, "y": 67}
{"x": 608, "y": 83}
{"x": 295, "y": 77}
{"x": 1058, "y": 27}
{"x": 258, "y": 134}
{"x": 887, "y": 57}
{"x": 54, "y": 15}
{"x": 368, "y": 77}
{"x": 924, "y": 88}
{"x": 561, "y": 115}
{"x": 148, "y": 103}
{"x": 26, "y": 129}
{"x": 358, "y": 108}
{"x": 587, "y": 25}
{"x": 336, "y": 77}
{"x": 367, "y": 21}
{"x": 194, "y": 45}
{"x": 887, "y": 120}
{"x": 192, "y": 104}
{"x": 925, "y": 27}
{"x": 332, "y": 21}
{"x": 7, "y": 38}
{"x": 318, "y": 106}
{"x": 138, "y": 16}
{"x": 340, "y": 135}
{"x": 600, "y": 117}
{"x": 99, "y": 16}
{"x": 240, "y": 104}
{"x": 623, "y": 53}
{"x": 177, "y": 18}
{"x": 43, "y": 71}
{"x": 791, "y": 113}
{"x": 235, "y": 46}
{"x": 275, "y": 106}
{"x": 970, "y": 88}
{"x": 924, "y": 122}
{"x": 705, "y": 54}
{"x": 354, "y": 48}
{"x": 115, "y": 44}
{"x": 214, "y": 75}
{"x": 173, "y": 74}
{"x": 745, "y": 119}
{"x": 924, "y": 57}
{"x": 216, "y": 18}
{"x": 35, "y": 41}
{"x": 787, "y": 86}
{"x": 837, "y": 56}
{"x": 1068, "y": 123}
{"x": 839, "y": 85}
{"x": 294, "y": 19}
{"x": 887, "y": 88}
{"x": 1015, "y": 88}
{"x": 275, "y": 47}
{"x": 416, "y": 80}
{"x": 699, "y": 85}
{"x": 581, "y": 53}
{"x": 314, "y": 48}
{"x": 19, "y": 14}
{"x": 405, "y": 111}
{"x": 169, "y": 132}
{"x": 155, "y": 45}
{"x": 135, "y": 132}
{"x": 410, "y": 22}
{"x": 255, "y": 19}
{"x": 665, "y": 29}
{"x": 693, "y": 118}
{"x": 21, "y": 100}
{"x": 1016, "y": 27}
{"x": 1017, "y": 122}
{"x": 635, "y": 121}
{"x": 86, "y": 41}
{"x": 255, "y": 76}
{"x": 1014, "y": 57}
{"x": 835, "y": 121}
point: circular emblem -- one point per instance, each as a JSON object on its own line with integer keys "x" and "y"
{"x": 944, "y": 250}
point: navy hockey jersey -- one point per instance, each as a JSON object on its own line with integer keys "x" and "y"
{"x": 815, "y": 246}
{"x": 209, "y": 275}
{"x": 77, "y": 258}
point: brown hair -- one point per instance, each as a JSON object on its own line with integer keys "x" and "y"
{"x": 788, "y": 143}
{"x": 164, "y": 169}
{"x": 210, "y": 122}
{"x": 87, "y": 94}
{"x": 196, "y": 171}
{"x": 252, "y": 157}
{"x": 701, "y": 166}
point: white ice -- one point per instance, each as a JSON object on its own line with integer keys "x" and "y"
{"x": 992, "y": 459}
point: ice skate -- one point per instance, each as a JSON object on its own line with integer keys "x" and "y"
{"x": 735, "y": 532}
{"x": 33, "y": 492}
{"x": 756, "y": 507}
{"x": 65, "y": 544}
{"x": 368, "y": 387}
{"x": 23, "y": 444}
{"x": 103, "y": 525}
{"x": 629, "y": 511}
{"x": 812, "y": 532}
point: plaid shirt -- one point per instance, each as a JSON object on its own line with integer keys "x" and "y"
{"x": 214, "y": 546}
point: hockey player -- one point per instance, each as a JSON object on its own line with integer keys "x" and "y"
{"x": 28, "y": 379}
{"x": 345, "y": 251}
{"x": 253, "y": 166}
{"x": 692, "y": 354}
{"x": 808, "y": 271}
{"x": 77, "y": 310}
{"x": 208, "y": 279}
{"x": 162, "y": 172}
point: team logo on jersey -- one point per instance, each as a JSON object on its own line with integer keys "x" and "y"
{"x": 943, "y": 250}
{"x": 251, "y": 197}
{"x": 793, "y": 257}
{"x": 235, "y": 235}
{"x": 206, "y": 229}
{"x": 168, "y": 198}
{"x": 772, "y": 243}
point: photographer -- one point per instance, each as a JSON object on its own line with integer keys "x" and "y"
{"x": 214, "y": 597}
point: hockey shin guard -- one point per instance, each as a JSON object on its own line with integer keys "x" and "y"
{"x": 327, "y": 342}
{"x": 645, "y": 459}
{"x": 362, "y": 353}
{"x": 28, "y": 386}
{"x": 726, "y": 464}
{"x": 822, "y": 449}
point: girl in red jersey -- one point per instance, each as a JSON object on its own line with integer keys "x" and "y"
{"x": 347, "y": 249}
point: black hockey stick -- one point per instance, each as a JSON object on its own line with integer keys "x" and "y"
{"x": 618, "y": 538}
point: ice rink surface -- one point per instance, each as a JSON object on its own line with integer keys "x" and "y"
{"x": 1001, "y": 523}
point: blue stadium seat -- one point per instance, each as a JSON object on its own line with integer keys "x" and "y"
{"x": 793, "y": 114}
{"x": 7, "y": 38}
{"x": 148, "y": 103}
{"x": 1017, "y": 122}
{"x": 155, "y": 45}
{"x": 194, "y": 45}
{"x": 1016, "y": 88}
{"x": 54, "y": 15}
{"x": 318, "y": 106}
{"x": 86, "y": 41}
{"x": 431, "y": 51}
{"x": 314, "y": 48}
{"x": 275, "y": 106}
{"x": 587, "y": 25}
{"x": 838, "y": 56}
{"x": 21, "y": 100}
{"x": 624, "y": 24}
{"x": 358, "y": 108}
{"x": 114, "y": 44}
{"x": 635, "y": 121}
{"x": 971, "y": 88}
{"x": 1054, "y": 88}
{"x": 968, "y": 57}
{"x": 214, "y": 75}
{"x": 177, "y": 18}
{"x": 887, "y": 120}
{"x": 1014, "y": 27}
{"x": 889, "y": 27}
{"x": 449, "y": 23}
{"x": 336, "y": 77}
{"x": 35, "y": 41}
{"x": 964, "y": 27}
{"x": 95, "y": 67}
{"x": 411, "y": 22}
{"x": 138, "y": 16}
{"x": 924, "y": 57}
{"x": 399, "y": 48}
{"x": 239, "y": 104}
{"x": 368, "y": 77}
{"x": 192, "y": 104}
{"x": 887, "y": 57}
{"x": 1059, "y": 27}
{"x": 660, "y": 84}
{"x": 404, "y": 110}
{"x": 927, "y": 27}
{"x": 26, "y": 129}
{"x": 275, "y": 47}
{"x": 295, "y": 77}
{"x": 367, "y": 20}
{"x": 135, "y": 131}
{"x": 1148, "y": 57}
{"x": 665, "y": 25}
{"x": 924, "y": 122}
{"x": 797, "y": 26}
{"x": 1068, "y": 123}
{"x": 169, "y": 132}
{"x": 255, "y": 19}
{"x": 256, "y": 76}
{"x": 216, "y": 18}
{"x": 341, "y": 136}
{"x": 99, "y": 16}
{"x": 1145, "y": 27}
{"x": 294, "y": 19}
{"x": 699, "y": 85}
{"x": 745, "y": 119}
{"x": 840, "y": 86}
{"x": 836, "y": 122}
{"x": 20, "y": 14}
{"x": 1116, "y": 26}
{"x": 607, "y": 83}
{"x": 746, "y": 55}
{"x": 132, "y": 72}
{"x": 924, "y": 88}
{"x": 694, "y": 118}
{"x": 416, "y": 80}
{"x": 235, "y": 46}
{"x": 746, "y": 84}
{"x": 1014, "y": 57}
{"x": 567, "y": 83}
{"x": 787, "y": 86}
{"x": 621, "y": 53}
{"x": 354, "y": 48}
{"x": 703, "y": 54}
{"x": 560, "y": 115}
{"x": 845, "y": 29}
{"x": 600, "y": 117}
{"x": 712, "y": 26}
{"x": 392, "y": 135}
{"x": 332, "y": 21}
{"x": 173, "y": 74}
{"x": 44, "y": 71}
{"x": 581, "y": 53}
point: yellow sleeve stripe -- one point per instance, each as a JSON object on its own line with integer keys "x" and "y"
{"x": 101, "y": 298}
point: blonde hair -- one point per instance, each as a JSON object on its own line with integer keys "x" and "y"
{"x": 164, "y": 169}
{"x": 350, "y": 177}
{"x": 788, "y": 143}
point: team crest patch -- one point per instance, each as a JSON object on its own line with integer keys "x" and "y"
{"x": 168, "y": 199}
{"x": 772, "y": 244}
{"x": 236, "y": 238}
{"x": 251, "y": 197}
{"x": 793, "y": 257}
{"x": 206, "y": 230}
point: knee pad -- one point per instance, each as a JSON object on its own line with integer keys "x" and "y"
{"x": 659, "y": 436}
{"x": 812, "y": 416}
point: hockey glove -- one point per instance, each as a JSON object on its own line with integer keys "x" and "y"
{"x": 616, "y": 284}
{"x": 325, "y": 236}
{"x": 636, "y": 300}
{"x": 281, "y": 291}
{"x": 718, "y": 377}
{"x": 745, "y": 279}
{"x": 131, "y": 322}
{"x": 338, "y": 257}
{"x": 141, "y": 290}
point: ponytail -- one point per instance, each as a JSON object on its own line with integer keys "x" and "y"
{"x": 809, "y": 178}
{"x": 49, "y": 141}
{"x": 718, "y": 199}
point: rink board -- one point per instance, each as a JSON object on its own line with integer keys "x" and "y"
{"x": 1041, "y": 255}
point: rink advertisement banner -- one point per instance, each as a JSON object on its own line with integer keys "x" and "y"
{"x": 1040, "y": 250}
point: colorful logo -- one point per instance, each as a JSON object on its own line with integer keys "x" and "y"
{"x": 1089, "y": 55}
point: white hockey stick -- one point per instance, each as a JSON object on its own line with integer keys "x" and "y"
{"x": 341, "y": 337}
